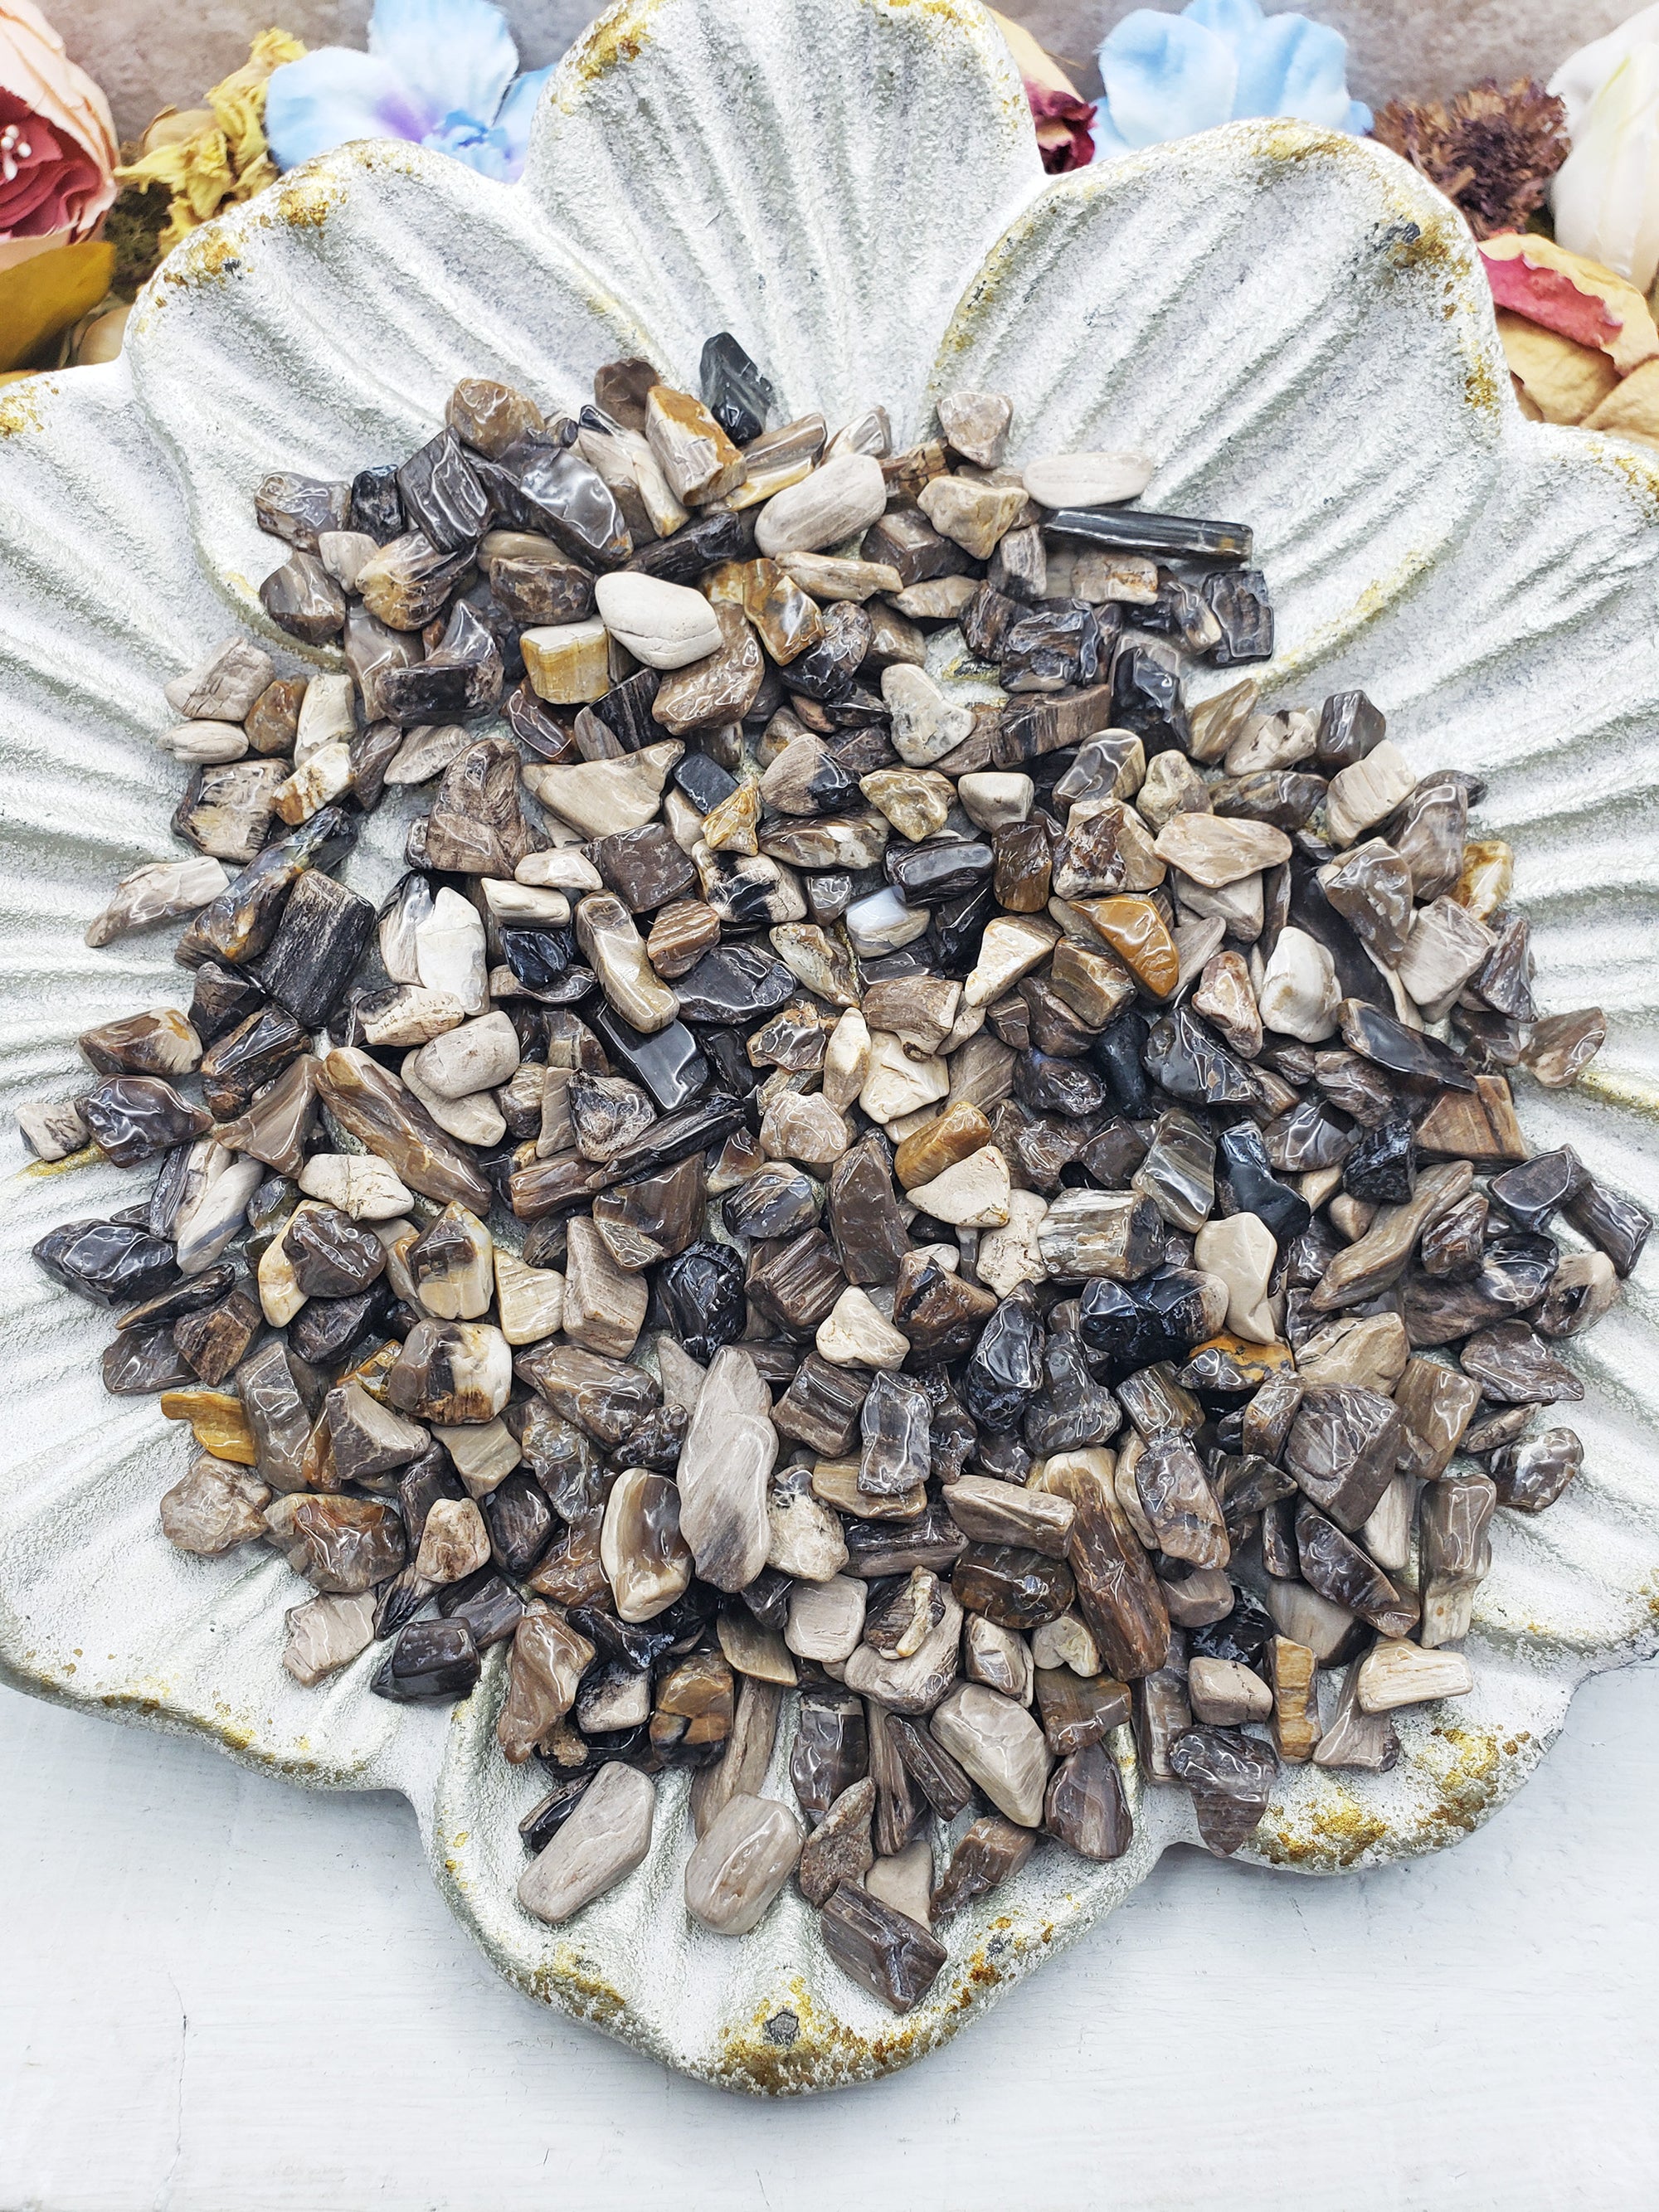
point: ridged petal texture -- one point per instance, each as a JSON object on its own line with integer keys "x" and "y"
{"x": 1295, "y": 328}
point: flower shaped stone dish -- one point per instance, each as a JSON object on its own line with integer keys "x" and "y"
{"x": 1295, "y": 328}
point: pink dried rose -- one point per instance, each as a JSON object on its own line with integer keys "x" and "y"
{"x": 1063, "y": 118}
{"x": 1065, "y": 137}
{"x": 58, "y": 146}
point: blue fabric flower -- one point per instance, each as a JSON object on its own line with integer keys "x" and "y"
{"x": 1166, "y": 76}
{"x": 442, "y": 72}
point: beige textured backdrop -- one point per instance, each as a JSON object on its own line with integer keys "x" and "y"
{"x": 147, "y": 57}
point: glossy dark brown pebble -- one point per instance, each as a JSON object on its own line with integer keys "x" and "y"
{"x": 702, "y": 1288}
{"x": 1341, "y": 1451}
{"x": 298, "y": 508}
{"x": 331, "y": 1256}
{"x": 317, "y": 944}
{"x": 520, "y": 1523}
{"x": 302, "y": 597}
{"x": 796, "y": 1282}
{"x": 938, "y": 1311}
{"x": 864, "y": 1223}
{"x": 1515, "y": 1365}
{"x": 1084, "y": 1806}
{"x": 1531, "y": 1192}
{"x": 220, "y": 1000}
{"x": 214, "y": 1341}
{"x": 1616, "y": 1224}
{"x": 1411, "y": 1054}
{"x": 1382, "y": 1166}
{"x": 111, "y": 1262}
{"x": 821, "y": 1407}
{"x": 432, "y": 1661}
{"x": 1451, "y": 1246}
{"x": 133, "y": 1119}
{"x": 1532, "y": 1474}
{"x": 142, "y": 1361}
{"x": 237, "y": 926}
{"x": 1011, "y": 1587}
{"x": 607, "y": 1398}
{"x": 894, "y": 1422}
{"x": 775, "y": 1202}
{"x": 486, "y": 1603}
{"x": 832, "y": 1749}
{"x": 697, "y": 545}
{"x": 1340, "y": 1570}
{"x": 734, "y": 983}
{"x": 249, "y": 1056}
{"x": 876, "y": 1548}
{"x": 1076, "y": 1710}
{"x": 1231, "y": 1777}
{"x": 885, "y": 1952}
{"x": 991, "y": 1850}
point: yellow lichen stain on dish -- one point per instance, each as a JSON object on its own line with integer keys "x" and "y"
{"x": 19, "y": 411}
{"x": 37, "y": 1170}
{"x": 305, "y": 201}
{"x": 1485, "y": 387}
{"x": 621, "y": 35}
{"x": 207, "y": 257}
{"x": 1466, "y": 1781}
{"x": 1639, "y": 467}
{"x": 1615, "y": 1087}
{"x": 1329, "y": 1837}
{"x": 790, "y": 2045}
{"x": 1378, "y": 596}
{"x": 571, "y": 1979}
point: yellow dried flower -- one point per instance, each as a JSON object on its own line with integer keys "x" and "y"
{"x": 211, "y": 157}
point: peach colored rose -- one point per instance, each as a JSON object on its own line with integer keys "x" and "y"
{"x": 57, "y": 142}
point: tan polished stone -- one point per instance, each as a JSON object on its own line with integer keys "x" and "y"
{"x": 856, "y": 1333}
{"x": 1241, "y": 1249}
{"x": 606, "y": 1837}
{"x": 841, "y": 497}
{"x": 602, "y": 797}
{"x": 569, "y": 663}
{"x": 604, "y": 1305}
{"x": 699, "y": 460}
{"x": 973, "y": 515}
{"x": 1394, "y": 1674}
{"x": 741, "y": 1862}
{"x": 1001, "y": 1746}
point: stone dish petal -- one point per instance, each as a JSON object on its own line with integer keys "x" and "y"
{"x": 865, "y": 158}
{"x": 321, "y": 327}
{"x": 1296, "y": 329}
{"x": 1245, "y": 322}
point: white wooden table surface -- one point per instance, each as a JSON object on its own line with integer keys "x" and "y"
{"x": 221, "y": 1995}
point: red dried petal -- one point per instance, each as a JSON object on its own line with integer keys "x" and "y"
{"x": 1546, "y": 296}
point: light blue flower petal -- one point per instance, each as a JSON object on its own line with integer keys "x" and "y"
{"x": 518, "y": 113}
{"x": 1165, "y": 77}
{"x": 478, "y": 146}
{"x": 333, "y": 94}
{"x": 1237, "y": 22}
{"x": 457, "y": 57}
{"x": 1293, "y": 67}
{"x": 1359, "y": 121}
{"x": 1109, "y": 141}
